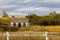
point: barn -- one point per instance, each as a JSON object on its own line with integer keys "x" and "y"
{"x": 19, "y": 22}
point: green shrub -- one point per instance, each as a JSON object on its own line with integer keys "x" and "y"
{"x": 24, "y": 29}
{"x": 13, "y": 29}
{"x": 4, "y": 29}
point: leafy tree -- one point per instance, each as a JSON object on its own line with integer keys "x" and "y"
{"x": 32, "y": 18}
{"x": 52, "y": 19}
{"x": 53, "y": 15}
{"x": 5, "y": 14}
{"x": 5, "y": 20}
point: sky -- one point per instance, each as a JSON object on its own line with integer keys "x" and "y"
{"x": 26, "y": 7}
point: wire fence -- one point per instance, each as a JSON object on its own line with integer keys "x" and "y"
{"x": 46, "y": 35}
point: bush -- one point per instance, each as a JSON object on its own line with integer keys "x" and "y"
{"x": 4, "y": 29}
{"x": 13, "y": 28}
{"x": 24, "y": 29}
{"x": 43, "y": 22}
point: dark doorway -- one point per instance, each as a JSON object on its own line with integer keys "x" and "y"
{"x": 24, "y": 24}
{"x": 14, "y": 24}
{"x": 19, "y": 24}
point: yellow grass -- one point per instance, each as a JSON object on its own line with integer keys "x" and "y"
{"x": 45, "y": 28}
{"x": 36, "y": 30}
{"x": 40, "y": 29}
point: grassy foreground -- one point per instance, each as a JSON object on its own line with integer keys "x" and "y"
{"x": 35, "y": 30}
{"x": 31, "y": 38}
{"x": 41, "y": 29}
{"x": 46, "y": 28}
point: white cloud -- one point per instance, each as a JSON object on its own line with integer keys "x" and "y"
{"x": 7, "y": 6}
{"x": 56, "y": 9}
{"x": 24, "y": 1}
{"x": 22, "y": 7}
{"x": 27, "y": 0}
{"x": 32, "y": 9}
{"x": 17, "y": 14}
{"x": 53, "y": 1}
{"x": 6, "y": 0}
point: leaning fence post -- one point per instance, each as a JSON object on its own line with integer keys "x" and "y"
{"x": 7, "y": 34}
{"x": 46, "y": 34}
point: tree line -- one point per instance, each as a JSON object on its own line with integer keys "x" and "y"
{"x": 52, "y": 19}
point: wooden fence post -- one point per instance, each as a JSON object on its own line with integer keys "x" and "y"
{"x": 7, "y": 34}
{"x": 46, "y": 34}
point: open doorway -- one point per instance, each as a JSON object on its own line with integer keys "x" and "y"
{"x": 24, "y": 24}
{"x": 14, "y": 24}
{"x": 19, "y": 24}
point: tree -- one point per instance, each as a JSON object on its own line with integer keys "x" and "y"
{"x": 53, "y": 15}
{"x": 5, "y": 14}
{"x": 5, "y": 18}
{"x": 52, "y": 19}
{"x": 32, "y": 18}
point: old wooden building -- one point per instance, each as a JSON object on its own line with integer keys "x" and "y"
{"x": 19, "y": 22}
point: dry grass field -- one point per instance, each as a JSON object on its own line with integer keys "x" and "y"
{"x": 35, "y": 30}
{"x": 35, "y": 38}
{"x": 45, "y": 28}
{"x": 41, "y": 29}
{"x": 31, "y": 38}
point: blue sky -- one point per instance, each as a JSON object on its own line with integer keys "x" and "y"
{"x": 25, "y": 7}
